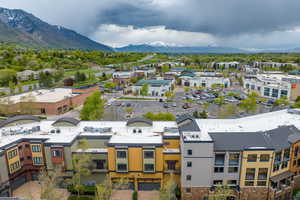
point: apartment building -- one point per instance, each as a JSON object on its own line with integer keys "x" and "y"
{"x": 122, "y": 77}
{"x": 272, "y": 64}
{"x": 257, "y": 157}
{"x": 273, "y": 86}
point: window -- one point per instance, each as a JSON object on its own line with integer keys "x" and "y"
{"x": 278, "y": 156}
{"x": 275, "y": 93}
{"x": 284, "y": 164}
{"x": 56, "y": 153}
{"x": 250, "y": 173}
{"x": 247, "y": 85}
{"x": 140, "y": 131}
{"x": 296, "y": 152}
{"x": 121, "y": 167}
{"x": 188, "y": 190}
{"x": 149, "y": 167}
{"x": 231, "y": 182}
{"x": 36, "y": 148}
{"x": 261, "y": 183}
{"x": 28, "y": 157}
{"x": 190, "y": 152}
{"x": 218, "y": 182}
{"x": 189, "y": 164}
{"x": 252, "y": 158}
{"x": 262, "y": 173}
{"x": 264, "y": 158}
{"x": 252, "y": 87}
{"x": 233, "y": 169}
{"x": 99, "y": 164}
{"x": 121, "y": 154}
{"x": 276, "y": 167}
{"x": 283, "y": 93}
{"x": 219, "y": 169}
{"x": 148, "y": 154}
{"x": 286, "y": 155}
{"x": 234, "y": 158}
{"x": 219, "y": 159}
{"x": 258, "y": 88}
{"x": 37, "y": 160}
{"x": 266, "y": 91}
{"x": 171, "y": 164}
{"x": 188, "y": 177}
{"x": 14, "y": 166}
{"x": 12, "y": 154}
{"x": 249, "y": 183}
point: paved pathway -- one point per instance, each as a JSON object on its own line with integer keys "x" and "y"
{"x": 32, "y": 190}
{"x": 148, "y": 195}
{"x": 121, "y": 195}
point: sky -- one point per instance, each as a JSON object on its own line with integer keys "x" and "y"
{"x": 248, "y": 24}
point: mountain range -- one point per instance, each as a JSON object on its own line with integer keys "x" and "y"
{"x": 20, "y": 27}
{"x": 144, "y": 48}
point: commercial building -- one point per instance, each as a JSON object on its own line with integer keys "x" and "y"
{"x": 202, "y": 79}
{"x": 272, "y": 64}
{"x": 122, "y": 77}
{"x": 273, "y": 86}
{"x": 53, "y": 101}
{"x": 155, "y": 87}
{"x": 256, "y": 157}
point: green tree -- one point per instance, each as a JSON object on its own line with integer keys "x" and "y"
{"x": 93, "y": 107}
{"x": 110, "y": 85}
{"x": 228, "y": 110}
{"x": 49, "y": 181}
{"x": 81, "y": 165}
{"x": 249, "y": 105}
{"x": 144, "y": 90}
{"x": 167, "y": 192}
{"x": 6, "y": 76}
{"x": 169, "y": 95}
{"x": 203, "y": 115}
{"x": 282, "y": 101}
{"x": 160, "y": 116}
{"x": 221, "y": 193}
{"x": 12, "y": 87}
{"x": 220, "y": 101}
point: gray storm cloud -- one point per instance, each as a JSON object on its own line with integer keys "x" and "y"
{"x": 223, "y": 19}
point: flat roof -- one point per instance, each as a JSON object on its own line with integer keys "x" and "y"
{"x": 42, "y": 95}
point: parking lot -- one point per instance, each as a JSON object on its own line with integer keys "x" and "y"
{"x": 117, "y": 109}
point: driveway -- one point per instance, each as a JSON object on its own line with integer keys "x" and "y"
{"x": 121, "y": 195}
{"x": 32, "y": 190}
{"x": 148, "y": 195}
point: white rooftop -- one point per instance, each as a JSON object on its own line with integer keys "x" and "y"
{"x": 117, "y": 129}
{"x": 255, "y": 123}
{"x": 43, "y": 95}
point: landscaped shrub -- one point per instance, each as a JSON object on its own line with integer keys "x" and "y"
{"x": 135, "y": 195}
{"x": 87, "y": 190}
{"x": 74, "y": 197}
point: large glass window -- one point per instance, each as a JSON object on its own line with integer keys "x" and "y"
{"x": 148, "y": 154}
{"x": 171, "y": 164}
{"x": 250, "y": 173}
{"x": 275, "y": 93}
{"x": 283, "y": 93}
{"x": 149, "y": 167}
{"x": 266, "y": 91}
{"x": 121, "y": 167}
{"x": 36, "y": 148}
{"x": 262, "y": 173}
{"x": 121, "y": 154}
{"x": 234, "y": 158}
{"x": 252, "y": 158}
{"x": 56, "y": 153}
{"x": 233, "y": 169}
{"x": 219, "y": 159}
{"x": 264, "y": 158}
{"x": 99, "y": 164}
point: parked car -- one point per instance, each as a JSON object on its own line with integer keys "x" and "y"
{"x": 166, "y": 105}
{"x": 128, "y": 105}
{"x": 174, "y": 104}
{"x": 186, "y": 106}
{"x": 161, "y": 100}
